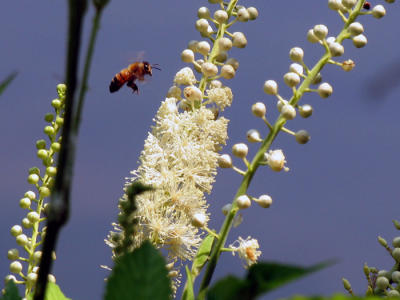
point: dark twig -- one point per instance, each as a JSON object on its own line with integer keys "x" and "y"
{"x": 59, "y": 205}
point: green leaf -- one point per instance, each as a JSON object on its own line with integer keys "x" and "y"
{"x": 202, "y": 254}
{"x": 11, "y": 292}
{"x": 7, "y": 81}
{"x": 140, "y": 274}
{"x": 261, "y": 278}
{"x": 337, "y": 297}
{"x": 53, "y": 292}
{"x": 188, "y": 293}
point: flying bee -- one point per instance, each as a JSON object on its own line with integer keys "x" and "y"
{"x": 129, "y": 75}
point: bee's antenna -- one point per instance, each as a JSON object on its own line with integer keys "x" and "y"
{"x": 156, "y": 66}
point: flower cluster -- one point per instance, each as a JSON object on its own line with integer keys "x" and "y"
{"x": 34, "y": 202}
{"x": 383, "y": 282}
{"x": 180, "y": 155}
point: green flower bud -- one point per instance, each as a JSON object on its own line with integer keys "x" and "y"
{"x": 25, "y": 203}
{"x": 42, "y": 153}
{"x": 16, "y": 230}
{"x": 49, "y": 130}
{"x": 61, "y": 90}
{"x": 40, "y": 144}
{"x": 33, "y": 179}
{"x": 15, "y": 267}
{"x": 305, "y": 110}
{"x": 31, "y": 195}
{"x": 396, "y": 224}
{"x": 346, "y": 284}
{"x": 56, "y": 103}
{"x": 34, "y": 170}
{"x": 33, "y": 216}
{"x": 49, "y": 117}
{"x": 396, "y": 242}
{"x": 382, "y": 241}
{"x": 51, "y": 171}
{"x": 26, "y": 223}
{"x": 382, "y": 283}
{"x": 302, "y": 136}
{"x": 44, "y": 191}
{"x": 37, "y": 255}
{"x": 22, "y": 240}
{"x": 13, "y": 254}
{"x": 59, "y": 121}
{"x": 396, "y": 254}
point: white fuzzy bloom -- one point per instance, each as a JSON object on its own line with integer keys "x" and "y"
{"x": 185, "y": 77}
{"x": 247, "y": 250}
{"x": 220, "y": 96}
{"x": 179, "y": 161}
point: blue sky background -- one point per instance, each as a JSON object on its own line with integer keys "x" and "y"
{"x": 342, "y": 189}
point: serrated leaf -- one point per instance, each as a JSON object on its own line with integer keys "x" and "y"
{"x": 53, "y": 292}
{"x": 260, "y": 279}
{"x": 140, "y": 274}
{"x": 7, "y": 81}
{"x": 11, "y": 292}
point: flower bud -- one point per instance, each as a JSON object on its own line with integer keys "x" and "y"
{"x": 209, "y": 69}
{"x": 221, "y": 57}
{"x": 233, "y": 62}
{"x": 271, "y": 87}
{"x": 320, "y": 31}
{"x": 215, "y": 84}
{"x": 243, "y": 202}
{"x": 243, "y": 15}
{"x": 225, "y": 44}
{"x": 16, "y": 230}
{"x": 325, "y": 90}
{"x": 199, "y": 220}
{"x": 253, "y": 136}
{"x": 25, "y": 203}
{"x": 42, "y": 153}
{"x": 239, "y": 40}
{"x": 311, "y": 37}
{"x": 382, "y": 283}
{"x": 359, "y": 40}
{"x": 291, "y": 79}
{"x": 396, "y": 276}
{"x": 336, "y": 49}
{"x": 334, "y": 4}
{"x": 203, "y": 47}
{"x": 305, "y": 110}
{"x": 396, "y": 242}
{"x": 349, "y": 3}
{"x": 33, "y": 179}
{"x": 187, "y": 55}
{"x": 33, "y": 216}
{"x": 56, "y": 103}
{"x": 203, "y": 12}
{"x": 49, "y": 130}
{"x": 31, "y": 278}
{"x": 44, "y": 191}
{"x": 51, "y": 278}
{"x": 193, "y": 93}
{"x": 346, "y": 284}
{"x": 202, "y": 25}
{"x": 225, "y": 161}
{"x": 264, "y": 201}
{"x": 192, "y": 45}
{"x": 302, "y": 136}
{"x": 15, "y": 267}
{"x": 281, "y": 103}
{"x": 26, "y": 223}
{"x": 240, "y": 150}
{"x": 396, "y": 254}
{"x": 378, "y": 11}
{"x": 221, "y": 16}
{"x": 356, "y": 28}
{"x": 296, "y": 54}
{"x": 288, "y": 112}
{"x": 258, "y": 109}
{"x": 253, "y": 13}
{"x": 13, "y": 254}
{"x": 22, "y": 240}
{"x": 296, "y": 68}
{"x": 227, "y": 71}
{"x": 226, "y": 209}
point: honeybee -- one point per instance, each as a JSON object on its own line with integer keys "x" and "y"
{"x": 135, "y": 71}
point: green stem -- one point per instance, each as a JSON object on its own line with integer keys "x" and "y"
{"x": 276, "y": 128}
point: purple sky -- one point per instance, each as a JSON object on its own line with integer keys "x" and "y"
{"x": 342, "y": 189}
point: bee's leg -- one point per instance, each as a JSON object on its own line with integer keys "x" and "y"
{"x": 131, "y": 83}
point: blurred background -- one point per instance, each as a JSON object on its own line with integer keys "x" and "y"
{"x": 341, "y": 192}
